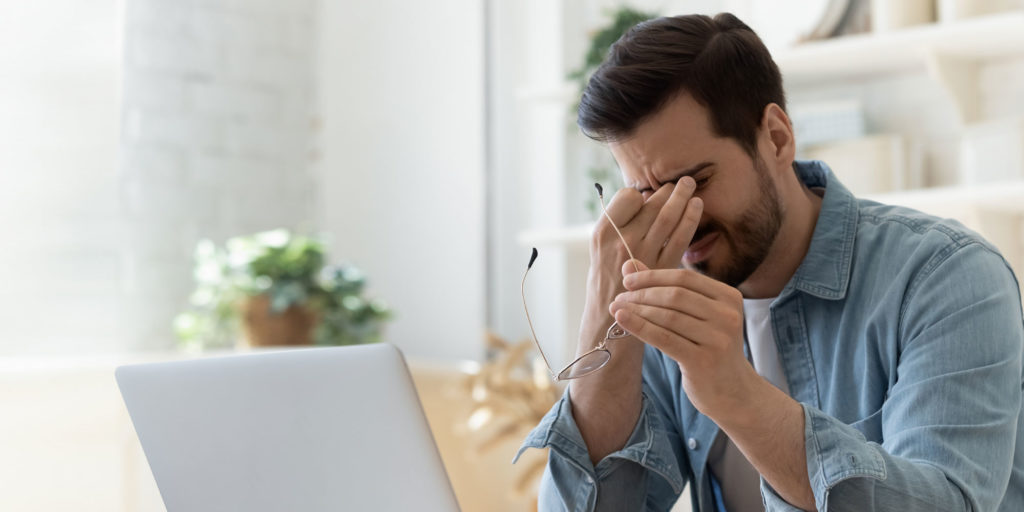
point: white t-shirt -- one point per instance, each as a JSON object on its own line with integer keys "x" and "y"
{"x": 739, "y": 480}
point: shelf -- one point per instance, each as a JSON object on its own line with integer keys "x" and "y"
{"x": 973, "y": 39}
{"x": 577, "y": 236}
{"x": 1003, "y": 197}
{"x": 950, "y": 52}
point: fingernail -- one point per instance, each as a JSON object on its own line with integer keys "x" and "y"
{"x": 688, "y": 182}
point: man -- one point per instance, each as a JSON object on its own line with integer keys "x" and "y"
{"x": 815, "y": 351}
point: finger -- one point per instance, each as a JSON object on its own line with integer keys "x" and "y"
{"x": 675, "y": 298}
{"x": 681, "y": 324}
{"x": 684, "y": 278}
{"x": 673, "y": 345}
{"x": 625, "y": 204}
{"x": 632, "y": 265}
{"x": 680, "y": 239}
{"x": 671, "y": 213}
{"x": 645, "y": 217}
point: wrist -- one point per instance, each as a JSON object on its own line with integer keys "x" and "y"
{"x": 762, "y": 406}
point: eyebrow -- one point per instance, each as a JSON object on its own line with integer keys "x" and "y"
{"x": 687, "y": 172}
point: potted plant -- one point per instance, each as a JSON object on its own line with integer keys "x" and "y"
{"x": 602, "y": 39}
{"x": 274, "y": 288}
{"x": 623, "y": 18}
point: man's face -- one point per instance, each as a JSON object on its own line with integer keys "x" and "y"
{"x": 742, "y": 211}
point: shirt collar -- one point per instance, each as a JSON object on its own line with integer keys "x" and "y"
{"x": 825, "y": 270}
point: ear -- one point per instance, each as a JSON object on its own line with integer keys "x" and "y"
{"x": 777, "y": 132}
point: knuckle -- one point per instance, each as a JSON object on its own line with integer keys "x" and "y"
{"x": 665, "y": 316}
{"x": 627, "y": 199}
{"x": 733, "y": 318}
{"x": 685, "y": 276}
{"x": 643, "y": 326}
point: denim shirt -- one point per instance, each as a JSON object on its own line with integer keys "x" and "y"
{"x": 900, "y": 335}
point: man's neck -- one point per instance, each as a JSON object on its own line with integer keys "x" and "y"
{"x": 788, "y": 249}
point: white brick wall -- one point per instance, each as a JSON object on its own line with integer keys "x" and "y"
{"x": 59, "y": 123}
{"x": 130, "y": 129}
{"x": 217, "y": 140}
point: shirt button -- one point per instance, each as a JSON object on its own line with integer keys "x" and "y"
{"x": 692, "y": 443}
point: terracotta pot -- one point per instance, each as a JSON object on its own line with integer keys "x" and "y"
{"x": 263, "y": 328}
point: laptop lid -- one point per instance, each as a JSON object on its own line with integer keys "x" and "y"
{"x": 337, "y": 428}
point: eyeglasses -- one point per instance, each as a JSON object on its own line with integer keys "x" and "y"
{"x": 597, "y": 357}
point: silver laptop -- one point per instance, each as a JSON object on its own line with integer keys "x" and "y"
{"x": 312, "y": 429}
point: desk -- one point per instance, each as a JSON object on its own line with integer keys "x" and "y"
{"x": 67, "y": 442}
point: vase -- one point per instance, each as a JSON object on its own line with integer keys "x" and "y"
{"x": 264, "y": 328}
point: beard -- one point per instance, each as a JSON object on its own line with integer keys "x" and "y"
{"x": 750, "y": 238}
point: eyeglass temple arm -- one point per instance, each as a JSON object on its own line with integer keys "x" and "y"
{"x": 522, "y": 290}
{"x": 600, "y": 196}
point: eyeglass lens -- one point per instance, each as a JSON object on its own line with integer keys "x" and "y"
{"x": 586, "y": 364}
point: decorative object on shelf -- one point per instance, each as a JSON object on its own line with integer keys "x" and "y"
{"x": 955, "y": 10}
{"x": 511, "y": 394}
{"x": 992, "y": 151}
{"x": 822, "y": 122}
{"x": 275, "y": 288}
{"x": 867, "y": 165}
{"x": 784, "y": 23}
{"x": 887, "y": 15}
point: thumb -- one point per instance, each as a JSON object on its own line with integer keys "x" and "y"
{"x": 628, "y": 267}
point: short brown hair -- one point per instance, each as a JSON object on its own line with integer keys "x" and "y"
{"x": 720, "y": 61}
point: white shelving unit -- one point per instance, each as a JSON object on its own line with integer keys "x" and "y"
{"x": 950, "y": 52}
{"x": 988, "y": 37}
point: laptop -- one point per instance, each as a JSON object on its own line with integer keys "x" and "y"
{"x": 311, "y": 429}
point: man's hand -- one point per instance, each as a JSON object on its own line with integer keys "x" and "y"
{"x": 658, "y": 229}
{"x": 698, "y": 322}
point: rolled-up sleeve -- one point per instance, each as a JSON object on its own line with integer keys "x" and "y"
{"x": 949, "y": 424}
{"x": 643, "y": 475}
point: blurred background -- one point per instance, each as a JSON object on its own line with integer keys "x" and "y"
{"x": 425, "y": 147}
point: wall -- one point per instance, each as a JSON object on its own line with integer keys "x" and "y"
{"x": 60, "y": 73}
{"x": 105, "y": 194}
{"x": 217, "y": 140}
{"x": 402, "y": 162}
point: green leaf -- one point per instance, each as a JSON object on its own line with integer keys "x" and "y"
{"x": 291, "y": 270}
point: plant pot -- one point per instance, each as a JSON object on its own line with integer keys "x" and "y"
{"x": 264, "y": 328}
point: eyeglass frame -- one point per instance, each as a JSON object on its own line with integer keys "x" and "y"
{"x": 614, "y": 332}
